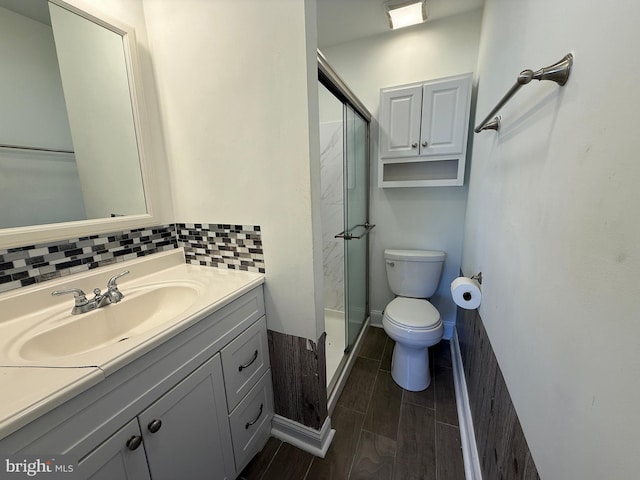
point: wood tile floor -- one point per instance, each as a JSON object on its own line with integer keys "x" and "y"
{"x": 382, "y": 431}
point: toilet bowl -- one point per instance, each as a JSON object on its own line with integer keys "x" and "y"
{"x": 415, "y": 325}
{"x": 409, "y": 319}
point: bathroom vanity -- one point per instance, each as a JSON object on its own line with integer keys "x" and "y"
{"x": 185, "y": 397}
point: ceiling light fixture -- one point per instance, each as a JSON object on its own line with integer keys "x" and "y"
{"x": 406, "y": 13}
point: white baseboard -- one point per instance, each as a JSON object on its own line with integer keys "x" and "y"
{"x": 376, "y": 318}
{"x": 467, "y": 435}
{"x": 316, "y": 442}
{"x": 449, "y": 328}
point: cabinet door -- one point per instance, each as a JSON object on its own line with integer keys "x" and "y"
{"x": 400, "y": 122}
{"x": 445, "y": 116}
{"x": 186, "y": 432}
{"x": 121, "y": 457}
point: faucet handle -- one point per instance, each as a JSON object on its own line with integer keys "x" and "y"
{"x": 114, "y": 294}
{"x": 79, "y": 295}
{"x": 112, "y": 283}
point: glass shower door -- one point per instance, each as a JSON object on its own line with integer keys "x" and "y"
{"x": 356, "y": 215}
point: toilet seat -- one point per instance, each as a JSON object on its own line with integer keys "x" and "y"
{"x": 415, "y": 314}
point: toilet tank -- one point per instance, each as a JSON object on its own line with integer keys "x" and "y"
{"x": 414, "y": 273}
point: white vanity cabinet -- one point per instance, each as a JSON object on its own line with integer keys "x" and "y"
{"x": 112, "y": 462}
{"x": 185, "y": 432}
{"x": 247, "y": 379}
{"x": 423, "y": 133}
{"x": 172, "y": 413}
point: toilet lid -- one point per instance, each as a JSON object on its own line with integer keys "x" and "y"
{"x": 414, "y": 313}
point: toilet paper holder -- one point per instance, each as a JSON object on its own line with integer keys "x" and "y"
{"x": 478, "y": 278}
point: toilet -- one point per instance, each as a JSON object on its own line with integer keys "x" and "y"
{"x": 410, "y": 319}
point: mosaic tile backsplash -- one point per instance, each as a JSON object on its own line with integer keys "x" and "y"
{"x": 23, "y": 266}
{"x": 222, "y": 245}
{"x": 217, "y": 245}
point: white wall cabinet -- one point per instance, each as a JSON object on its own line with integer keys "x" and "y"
{"x": 166, "y": 415}
{"x": 400, "y": 110}
{"x": 423, "y": 133}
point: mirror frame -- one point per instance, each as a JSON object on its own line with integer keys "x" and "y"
{"x": 36, "y": 234}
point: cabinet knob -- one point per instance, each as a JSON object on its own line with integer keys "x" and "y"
{"x": 134, "y": 442}
{"x": 414, "y": 145}
{"x": 425, "y": 144}
{"x": 154, "y": 425}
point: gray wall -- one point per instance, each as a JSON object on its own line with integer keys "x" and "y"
{"x": 552, "y": 224}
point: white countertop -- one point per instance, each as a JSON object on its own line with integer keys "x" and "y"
{"x": 33, "y": 387}
{"x": 29, "y": 392}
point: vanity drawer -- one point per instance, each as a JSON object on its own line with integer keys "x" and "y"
{"x": 250, "y": 422}
{"x": 244, "y": 361}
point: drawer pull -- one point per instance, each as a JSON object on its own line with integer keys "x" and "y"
{"x": 248, "y": 424}
{"x": 134, "y": 442}
{"x": 154, "y": 425}
{"x": 246, "y": 365}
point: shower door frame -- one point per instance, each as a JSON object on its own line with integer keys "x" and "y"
{"x": 332, "y": 81}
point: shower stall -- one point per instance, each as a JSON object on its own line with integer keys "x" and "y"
{"x": 344, "y": 160}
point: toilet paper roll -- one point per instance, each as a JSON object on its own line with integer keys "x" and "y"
{"x": 466, "y": 293}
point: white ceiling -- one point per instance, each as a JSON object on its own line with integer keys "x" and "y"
{"x": 37, "y": 10}
{"x": 341, "y": 21}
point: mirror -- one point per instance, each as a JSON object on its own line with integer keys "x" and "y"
{"x": 68, "y": 138}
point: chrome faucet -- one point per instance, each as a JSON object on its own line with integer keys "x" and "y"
{"x": 84, "y": 305}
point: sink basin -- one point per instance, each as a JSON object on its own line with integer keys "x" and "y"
{"x": 142, "y": 309}
{"x": 163, "y": 297}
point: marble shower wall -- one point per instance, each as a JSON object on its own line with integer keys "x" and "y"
{"x": 331, "y": 171}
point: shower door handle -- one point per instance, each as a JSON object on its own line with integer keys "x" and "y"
{"x": 347, "y": 235}
{"x": 344, "y": 234}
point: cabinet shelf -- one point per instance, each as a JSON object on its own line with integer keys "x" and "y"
{"x": 421, "y": 173}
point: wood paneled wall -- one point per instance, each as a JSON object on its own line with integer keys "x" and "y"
{"x": 502, "y": 447}
{"x": 298, "y": 368}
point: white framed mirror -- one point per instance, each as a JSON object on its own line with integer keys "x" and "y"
{"x": 71, "y": 150}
